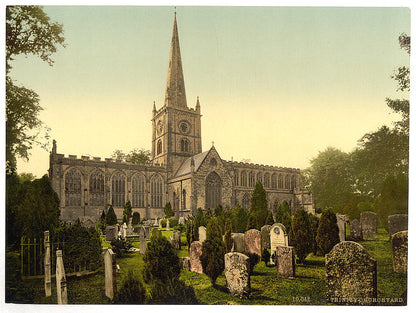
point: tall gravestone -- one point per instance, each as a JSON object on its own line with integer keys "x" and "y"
{"x": 167, "y": 224}
{"x": 397, "y": 222}
{"x": 265, "y": 237}
{"x": 202, "y": 232}
{"x": 351, "y": 274}
{"x": 355, "y": 230}
{"x": 252, "y": 242}
{"x": 399, "y": 242}
{"x": 195, "y": 252}
{"x": 47, "y": 264}
{"x": 110, "y": 273}
{"x": 285, "y": 261}
{"x": 237, "y": 274}
{"x": 175, "y": 240}
{"x": 142, "y": 240}
{"x": 111, "y": 233}
{"x": 160, "y": 224}
{"x": 156, "y": 223}
{"x": 181, "y": 221}
{"x": 61, "y": 290}
{"x": 341, "y": 222}
{"x": 278, "y": 237}
{"x": 368, "y": 222}
{"x": 124, "y": 231}
{"x": 238, "y": 242}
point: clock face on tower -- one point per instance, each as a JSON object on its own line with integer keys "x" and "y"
{"x": 184, "y": 127}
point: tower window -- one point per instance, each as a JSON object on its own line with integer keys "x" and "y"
{"x": 185, "y": 145}
{"x": 159, "y": 147}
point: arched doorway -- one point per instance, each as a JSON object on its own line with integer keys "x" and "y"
{"x": 212, "y": 191}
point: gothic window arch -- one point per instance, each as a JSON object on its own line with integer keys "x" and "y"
{"x": 138, "y": 191}
{"x": 259, "y": 178}
{"x": 236, "y": 178}
{"x": 243, "y": 180}
{"x": 185, "y": 145}
{"x": 159, "y": 147}
{"x": 118, "y": 188}
{"x": 251, "y": 181}
{"x": 213, "y": 162}
{"x": 293, "y": 182}
{"x": 156, "y": 191}
{"x": 266, "y": 180}
{"x": 212, "y": 191}
{"x": 280, "y": 181}
{"x": 287, "y": 181}
{"x": 245, "y": 203}
{"x": 274, "y": 181}
{"x": 73, "y": 187}
{"x": 184, "y": 199}
{"x": 96, "y": 190}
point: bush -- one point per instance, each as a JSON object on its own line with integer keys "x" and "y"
{"x": 265, "y": 256}
{"x": 227, "y": 236}
{"x": 173, "y": 222}
{"x": 239, "y": 219}
{"x": 136, "y": 218}
{"x": 127, "y": 212}
{"x": 172, "y": 293}
{"x": 168, "y": 210}
{"x": 283, "y": 216}
{"x": 121, "y": 247}
{"x": 259, "y": 204}
{"x": 254, "y": 259}
{"x": 16, "y": 292}
{"x": 192, "y": 233}
{"x": 111, "y": 217}
{"x": 301, "y": 234}
{"x": 252, "y": 222}
{"x": 328, "y": 234}
{"x": 269, "y": 219}
{"x": 131, "y": 291}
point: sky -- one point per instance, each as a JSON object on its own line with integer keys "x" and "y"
{"x": 277, "y": 85}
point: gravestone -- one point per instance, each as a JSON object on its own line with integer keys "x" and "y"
{"x": 47, "y": 263}
{"x": 156, "y": 223}
{"x": 175, "y": 240}
{"x": 167, "y": 224}
{"x": 278, "y": 237}
{"x": 147, "y": 232}
{"x": 142, "y": 240}
{"x": 355, "y": 230}
{"x": 399, "y": 242}
{"x": 368, "y": 222}
{"x": 160, "y": 224}
{"x": 237, "y": 274}
{"x": 202, "y": 231}
{"x": 252, "y": 242}
{"x": 285, "y": 261}
{"x": 60, "y": 279}
{"x": 195, "y": 252}
{"x": 124, "y": 231}
{"x": 110, "y": 268}
{"x": 185, "y": 263}
{"x": 341, "y": 221}
{"x": 265, "y": 237}
{"x": 238, "y": 242}
{"x": 181, "y": 221}
{"x": 351, "y": 274}
{"x": 111, "y": 233}
{"x": 397, "y": 222}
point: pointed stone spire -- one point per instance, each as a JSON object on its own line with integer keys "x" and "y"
{"x": 154, "y": 107}
{"x": 175, "y": 89}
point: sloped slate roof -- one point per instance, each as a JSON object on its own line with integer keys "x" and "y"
{"x": 186, "y": 165}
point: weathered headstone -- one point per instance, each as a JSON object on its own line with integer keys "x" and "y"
{"x": 181, "y": 221}
{"x": 124, "y": 231}
{"x": 341, "y": 221}
{"x": 47, "y": 263}
{"x": 156, "y": 223}
{"x": 278, "y": 237}
{"x": 252, "y": 242}
{"x": 265, "y": 237}
{"x": 355, "y": 230}
{"x": 175, "y": 240}
{"x": 142, "y": 240}
{"x": 397, "y": 222}
{"x": 60, "y": 279}
{"x": 368, "y": 222}
{"x": 167, "y": 224}
{"x": 202, "y": 231}
{"x": 185, "y": 263}
{"x": 111, "y": 233}
{"x": 238, "y": 242}
{"x": 160, "y": 224}
{"x": 285, "y": 261}
{"x": 237, "y": 274}
{"x": 195, "y": 252}
{"x": 110, "y": 273}
{"x": 351, "y": 274}
{"x": 399, "y": 242}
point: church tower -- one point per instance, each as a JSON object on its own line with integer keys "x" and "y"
{"x": 176, "y": 128}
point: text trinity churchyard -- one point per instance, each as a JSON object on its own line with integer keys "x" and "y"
{"x": 182, "y": 225}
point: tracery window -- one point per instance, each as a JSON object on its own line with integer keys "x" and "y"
{"x": 259, "y": 178}
{"x": 274, "y": 181}
{"x": 212, "y": 191}
{"x": 287, "y": 181}
{"x": 243, "y": 180}
{"x": 138, "y": 191}
{"x": 293, "y": 182}
{"x": 156, "y": 192}
{"x": 266, "y": 180}
{"x": 251, "y": 181}
{"x": 280, "y": 181}
{"x": 96, "y": 191}
{"x": 185, "y": 145}
{"x": 118, "y": 188}
{"x": 245, "y": 203}
{"x": 236, "y": 178}
{"x": 159, "y": 147}
{"x": 73, "y": 187}
{"x": 184, "y": 199}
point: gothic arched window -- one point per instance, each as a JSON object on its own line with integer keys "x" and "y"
{"x": 293, "y": 182}
{"x": 212, "y": 191}
{"x": 245, "y": 203}
{"x": 280, "y": 181}
{"x": 184, "y": 199}
{"x": 287, "y": 181}
{"x": 138, "y": 191}
{"x": 258, "y": 178}
{"x": 236, "y": 178}
{"x": 156, "y": 192}
{"x": 243, "y": 180}
{"x": 266, "y": 180}
{"x": 185, "y": 145}
{"x": 274, "y": 181}
{"x": 251, "y": 181}
{"x": 118, "y": 188}
{"x": 159, "y": 147}
{"x": 96, "y": 188}
{"x": 73, "y": 188}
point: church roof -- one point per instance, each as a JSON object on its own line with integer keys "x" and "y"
{"x": 186, "y": 165}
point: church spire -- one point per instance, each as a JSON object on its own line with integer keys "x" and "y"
{"x": 175, "y": 88}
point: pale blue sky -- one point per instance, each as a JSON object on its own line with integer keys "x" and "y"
{"x": 276, "y": 84}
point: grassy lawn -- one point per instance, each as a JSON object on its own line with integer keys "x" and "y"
{"x": 308, "y": 287}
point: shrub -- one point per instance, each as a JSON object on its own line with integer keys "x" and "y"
{"x": 269, "y": 219}
{"x": 219, "y": 211}
{"x": 227, "y": 236}
{"x": 131, "y": 291}
{"x": 172, "y": 293}
{"x": 254, "y": 259}
{"x": 168, "y": 210}
{"x": 252, "y": 222}
{"x": 239, "y": 218}
{"x": 259, "y": 204}
{"x": 301, "y": 234}
{"x": 200, "y": 219}
{"x": 192, "y": 233}
{"x": 121, "y": 247}
{"x": 127, "y": 212}
{"x": 111, "y": 217}
{"x": 283, "y": 216}
{"x": 136, "y": 218}
{"x": 328, "y": 234}
{"x": 173, "y": 222}
{"x": 265, "y": 256}
{"x": 314, "y": 220}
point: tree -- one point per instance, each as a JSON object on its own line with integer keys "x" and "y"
{"x": 111, "y": 217}
{"x": 26, "y": 177}
{"x": 314, "y": 220}
{"x": 328, "y": 234}
{"x": 259, "y": 204}
{"x": 239, "y": 218}
{"x": 301, "y": 234}
{"x": 28, "y": 31}
{"x": 136, "y": 218}
{"x": 213, "y": 251}
{"x": 127, "y": 212}
{"x": 168, "y": 210}
{"x": 227, "y": 236}
{"x": 283, "y": 215}
{"x": 269, "y": 219}
{"x": 137, "y": 156}
{"x": 252, "y": 222}
{"x": 192, "y": 233}
{"x": 200, "y": 218}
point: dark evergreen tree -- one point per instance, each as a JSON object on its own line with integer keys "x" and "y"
{"x": 328, "y": 234}
{"x": 283, "y": 216}
{"x": 200, "y": 219}
{"x": 314, "y": 220}
{"x": 111, "y": 217}
{"x": 269, "y": 219}
{"x": 252, "y": 222}
{"x": 132, "y": 291}
{"x": 259, "y": 204}
{"x": 265, "y": 256}
{"x": 192, "y": 233}
{"x": 168, "y": 210}
{"x": 227, "y": 236}
{"x": 102, "y": 216}
{"x": 219, "y": 211}
{"x": 301, "y": 234}
{"x": 239, "y": 218}
{"x": 136, "y": 218}
{"x": 127, "y": 212}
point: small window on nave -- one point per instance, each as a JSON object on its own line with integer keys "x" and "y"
{"x": 138, "y": 192}
{"x": 245, "y": 203}
{"x": 156, "y": 191}
{"x": 251, "y": 180}
{"x": 96, "y": 191}
{"x": 118, "y": 188}
{"x": 243, "y": 180}
{"x": 266, "y": 180}
{"x": 73, "y": 188}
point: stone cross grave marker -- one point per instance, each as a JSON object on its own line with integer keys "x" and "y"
{"x": 110, "y": 273}
{"x": 195, "y": 252}
{"x": 278, "y": 237}
{"x": 47, "y": 263}
{"x": 237, "y": 274}
{"x": 355, "y": 230}
{"x": 238, "y": 242}
{"x": 265, "y": 237}
{"x": 399, "y": 242}
{"x": 61, "y": 279}
{"x": 397, "y": 222}
{"x": 368, "y": 222}
{"x": 252, "y": 242}
{"x": 285, "y": 261}
{"x": 351, "y": 274}
{"x": 167, "y": 224}
{"x": 202, "y": 231}
{"x": 341, "y": 221}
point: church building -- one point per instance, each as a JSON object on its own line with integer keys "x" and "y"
{"x": 179, "y": 171}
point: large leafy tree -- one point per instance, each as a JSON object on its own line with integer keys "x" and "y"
{"x": 137, "y": 156}
{"x": 29, "y": 30}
